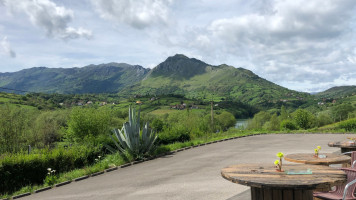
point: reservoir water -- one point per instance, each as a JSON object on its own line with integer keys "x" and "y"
{"x": 241, "y": 123}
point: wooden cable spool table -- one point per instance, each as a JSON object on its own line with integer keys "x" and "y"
{"x": 309, "y": 158}
{"x": 268, "y": 184}
{"x": 345, "y": 146}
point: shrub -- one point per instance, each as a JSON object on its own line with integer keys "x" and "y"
{"x": 304, "y": 118}
{"x": 323, "y": 119}
{"x": 172, "y": 135}
{"x": 86, "y": 123}
{"x": 288, "y": 124}
{"x": 15, "y": 128}
{"x": 273, "y": 124}
{"x": 259, "y": 120}
{"x": 342, "y": 111}
{"x": 225, "y": 120}
{"x": 348, "y": 125}
{"x": 157, "y": 125}
{"x": 18, "y": 170}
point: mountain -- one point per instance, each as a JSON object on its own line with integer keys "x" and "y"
{"x": 195, "y": 79}
{"x": 104, "y": 78}
{"x": 178, "y": 74}
{"x": 337, "y": 92}
{"x": 179, "y": 67}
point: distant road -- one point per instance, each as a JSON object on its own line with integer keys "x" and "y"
{"x": 191, "y": 174}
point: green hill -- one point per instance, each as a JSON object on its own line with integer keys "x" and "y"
{"x": 195, "y": 79}
{"x": 338, "y": 92}
{"x": 178, "y": 75}
{"x": 104, "y": 78}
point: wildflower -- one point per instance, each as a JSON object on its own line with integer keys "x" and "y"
{"x": 280, "y": 155}
{"x": 276, "y": 162}
{"x": 318, "y": 147}
{"x": 316, "y": 150}
{"x": 49, "y": 169}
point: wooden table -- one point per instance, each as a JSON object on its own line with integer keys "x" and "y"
{"x": 309, "y": 158}
{"x": 345, "y": 146}
{"x": 268, "y": 184}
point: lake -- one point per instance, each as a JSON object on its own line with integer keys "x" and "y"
{"x": 241, "y": 123}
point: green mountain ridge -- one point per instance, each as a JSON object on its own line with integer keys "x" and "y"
{"x": 337, "y": 92}
{"x": 178, "y": 74}
{"x": 104, "y": 78}
{"x": 207, "y": 81}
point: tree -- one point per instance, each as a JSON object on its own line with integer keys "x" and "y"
{"x": 273, "y": 124}
{"x": 259, "y": 120}
{"x": 323, "y": 119}
{"x": 341, "y": 112}
{"x": 284, "y": 114}
{"x": 303, "y": 118}
{"x": 225, "y": 120}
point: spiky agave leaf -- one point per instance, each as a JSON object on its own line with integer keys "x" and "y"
{"x": 148, "y": 138}
{"x": 129, "y": 138}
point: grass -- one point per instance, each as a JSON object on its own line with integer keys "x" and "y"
{"x": 112, "y": 160}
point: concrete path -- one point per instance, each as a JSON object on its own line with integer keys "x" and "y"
{"x": 191, "y": 174}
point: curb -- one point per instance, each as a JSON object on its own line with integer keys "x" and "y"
{"x": 128, "y": 164}
{"x": 81, "y": 178}
{"x": 111, "y": 169}
{"x": 43, "y": 189}
{"x": 21, "y": 195}
{"x": 63, "y": 183}
{"x": 97, "y": 173}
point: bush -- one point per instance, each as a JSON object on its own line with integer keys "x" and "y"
{"x": 225, "y": 120}
{"x": 341, "y": 112}
{"x": 259, "y": 120}
{"x": 86, "y": 123}
{"x": 47, "y": 128}
{"x": 304, "y": 118}
{"x": 157, "y": 125}
{"x": 348, "y": 125}
{"x": 273, "y": 124}
{"x": 172, "y": 135}
{"x": 323, "y": 119}
{"x": 15, "y": 128}
{"x": 18, "y": 170}
{"x": 288, "y": 124}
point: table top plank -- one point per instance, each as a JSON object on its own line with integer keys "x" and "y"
{"x": 309, "y": 158}
{"x": 266, "y": 176}
{"x": 343, "y": 144}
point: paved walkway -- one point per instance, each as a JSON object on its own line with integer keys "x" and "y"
{"x": 191, "y": 174}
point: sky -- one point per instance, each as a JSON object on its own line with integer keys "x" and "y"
{"x": 303, "y": 45}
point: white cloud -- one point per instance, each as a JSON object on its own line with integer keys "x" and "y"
{"x": 7, "y": 48}
{"x": 137, "y": 14}
{"x": 296, "y": 40}
{"x": 48, "y": 16}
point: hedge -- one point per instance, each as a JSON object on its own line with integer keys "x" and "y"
{"x": 18, "y": 170}
{"x": 348, "y": 125}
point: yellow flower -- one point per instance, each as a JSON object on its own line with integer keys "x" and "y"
{"x": 316, "y": 150}
{"x": 280, "y": 155}
{"x": 318, "y": 147}
{"x": 276, "y": 162}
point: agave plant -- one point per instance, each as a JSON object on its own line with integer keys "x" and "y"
{"x": 129, "y": 139}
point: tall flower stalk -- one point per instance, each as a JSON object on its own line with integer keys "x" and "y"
{"x": 278, "y": 163}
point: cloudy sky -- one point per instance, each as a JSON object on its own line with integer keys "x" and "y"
{"x": 302, "y": 45}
